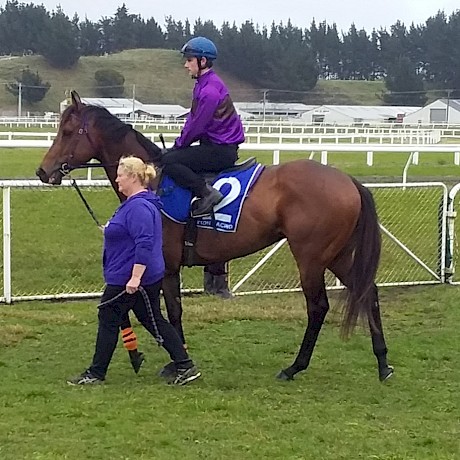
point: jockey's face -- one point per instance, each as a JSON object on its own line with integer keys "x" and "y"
{"x": 191, "y": 64}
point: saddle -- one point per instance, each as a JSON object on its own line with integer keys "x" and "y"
{"x": 249, "y": 163}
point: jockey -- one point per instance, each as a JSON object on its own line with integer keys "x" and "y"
{"x": 212, "y": 121}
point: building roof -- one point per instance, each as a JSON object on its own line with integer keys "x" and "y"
{"x": 164, "y": 110}
{"x": 111, "y": 102}
{"x": 274, "y": 107}
{"x": 124, "y": 106}
{"x": 358, "y": 112}
{"x": 453, "y": 103}
{"x": 120, "y": 110}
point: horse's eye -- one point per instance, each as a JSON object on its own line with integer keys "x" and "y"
{"x": 66, "y": 133}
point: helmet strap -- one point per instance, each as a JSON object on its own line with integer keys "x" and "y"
{"x": 200, "y": 67}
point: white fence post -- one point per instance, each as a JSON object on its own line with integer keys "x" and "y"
{"x": 370, "y": 158}
{"x": 7, "y": 244}
{"x": 324, "y": 157}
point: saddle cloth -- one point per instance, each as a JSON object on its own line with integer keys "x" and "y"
{"x": 234, "y": 185}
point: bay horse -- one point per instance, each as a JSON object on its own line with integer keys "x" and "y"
{"x": 329, "y": 220}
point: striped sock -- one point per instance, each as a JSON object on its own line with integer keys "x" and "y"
{"x": 129, "y": 339}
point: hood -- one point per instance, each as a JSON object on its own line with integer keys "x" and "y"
{"x": 147, "y": 195}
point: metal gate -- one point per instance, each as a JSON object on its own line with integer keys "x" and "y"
{"x": 56, "y": 254}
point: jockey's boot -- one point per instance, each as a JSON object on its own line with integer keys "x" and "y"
{"x": 209, "y": 197}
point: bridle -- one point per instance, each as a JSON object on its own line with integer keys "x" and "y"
{"x": 66, "y": 168}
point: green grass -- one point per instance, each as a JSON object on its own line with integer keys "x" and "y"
{"x": 338, "y": 92}
{"x": 335, "y": 410}
{"x": 159, "y": 78}
{"x": 63, "y": 254}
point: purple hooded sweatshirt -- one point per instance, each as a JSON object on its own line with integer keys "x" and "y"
{"x": 213, "y": 117}
{"x": 133, "y": 236}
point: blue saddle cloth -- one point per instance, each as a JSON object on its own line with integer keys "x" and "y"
{"x": 233, "y": 185}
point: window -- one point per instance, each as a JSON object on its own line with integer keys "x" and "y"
{"x": 438, "y": 115}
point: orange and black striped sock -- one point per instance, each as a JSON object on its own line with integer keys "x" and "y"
{"x": 129, "y": 339}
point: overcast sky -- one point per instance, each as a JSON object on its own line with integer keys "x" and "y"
{"x": 365, "y": 14}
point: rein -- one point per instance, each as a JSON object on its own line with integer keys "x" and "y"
{"x": 65, "y": 168}
{"x": 85, "y": 202}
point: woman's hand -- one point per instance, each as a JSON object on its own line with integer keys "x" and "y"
{"x": 132, "y": 285}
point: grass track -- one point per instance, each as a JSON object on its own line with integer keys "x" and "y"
{"x": 336, "y": 410}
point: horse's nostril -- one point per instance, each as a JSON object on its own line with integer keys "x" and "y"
{"x": 41, "y": 174}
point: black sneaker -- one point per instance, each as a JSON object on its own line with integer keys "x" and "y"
{"x": 185, "y": 376}
{"x": 85, "y": 378}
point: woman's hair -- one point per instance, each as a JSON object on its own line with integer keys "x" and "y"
{"x": 134, "y": 166}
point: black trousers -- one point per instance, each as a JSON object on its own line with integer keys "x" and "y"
{"x": 182, "y": 165}
{"x": 111, "y": 317}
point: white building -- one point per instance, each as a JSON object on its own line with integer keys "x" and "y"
{"x": 351, "y": 114}
{"x": 273, "y": 109}
{"x": 123, "y": 107}
{"x": 440, "y": 111}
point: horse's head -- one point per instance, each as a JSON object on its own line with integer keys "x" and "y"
{"x": 73, "y": 144}
{"x": 86, "y": 132}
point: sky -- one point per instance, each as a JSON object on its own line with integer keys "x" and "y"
{"x": 365, "y": 14}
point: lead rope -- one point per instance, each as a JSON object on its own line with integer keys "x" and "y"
{"x": 156, "y": 333}
{"x": 87, "y": 206}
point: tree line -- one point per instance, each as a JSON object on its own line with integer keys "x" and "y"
{"x": 283, "y": 57}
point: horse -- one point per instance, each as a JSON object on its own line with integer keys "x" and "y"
{"x": 328, "y": 218}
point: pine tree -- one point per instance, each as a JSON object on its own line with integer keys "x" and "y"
{"x": 33, "y": 88}
{"x": 404, "y": 85}
{"x": 59, "y": 42}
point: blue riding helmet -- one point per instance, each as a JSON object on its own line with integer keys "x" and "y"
{"x": 200, "y": 47}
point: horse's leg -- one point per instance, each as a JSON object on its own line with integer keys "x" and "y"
{"x": 172, "y": 296}
{"x": 341, "y": 270}
{"x": 317, "y": 307}
{"x": 378, "y": 339}
{"x": 216, "y": 280}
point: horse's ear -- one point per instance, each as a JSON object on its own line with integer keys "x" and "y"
{"x": 76, "y": 101}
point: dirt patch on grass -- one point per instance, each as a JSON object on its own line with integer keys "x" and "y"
{"x": 12, "y": 334}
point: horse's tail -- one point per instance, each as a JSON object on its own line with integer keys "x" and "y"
{"x": 366, "y": 245}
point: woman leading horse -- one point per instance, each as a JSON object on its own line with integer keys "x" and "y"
{"x": 328, "y": 218}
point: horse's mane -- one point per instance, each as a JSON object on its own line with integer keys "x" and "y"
{"x": 114, "y": 129}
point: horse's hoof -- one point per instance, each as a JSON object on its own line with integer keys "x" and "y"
{"x": 136, "y": 359}
{"x": 386, "y": 373}
{"x": 283, "y": 375}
